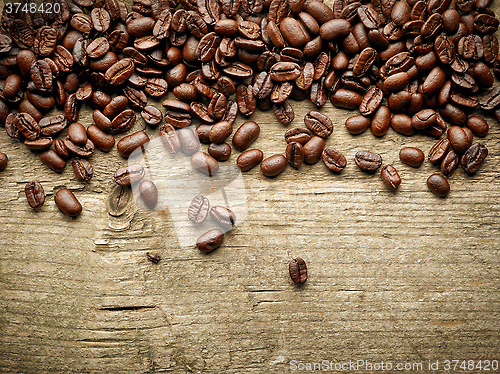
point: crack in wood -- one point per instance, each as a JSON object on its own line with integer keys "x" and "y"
{"x": 126, "y": 308}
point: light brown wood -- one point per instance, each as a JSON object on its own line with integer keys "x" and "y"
{"x": 393, "y": 276}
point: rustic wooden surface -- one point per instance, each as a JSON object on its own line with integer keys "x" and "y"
{"x": 393, "y": 276}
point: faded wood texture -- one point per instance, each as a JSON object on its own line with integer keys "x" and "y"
{"x": 393, "y": 276}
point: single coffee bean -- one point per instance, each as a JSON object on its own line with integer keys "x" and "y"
{"x": 450, "y": 163}
{"x": 3, "y": 161}
{"x": 198, "y": 209}
{"x": 357, "y": 124}
{"x": 127, "y": 175}
{"x": 82, "y": 169}
{"x": 346, "y": 99}
{"x": 273, "y": 165}
{"x": 101, "y": 140}
{"x": 120, "y": 71}
{"x": 210, "y": 240}
{"x": 402, "y": 123}
{"x": 390, "y": 177}
{"x": 220, "y": 132}
{"x": 412, "y": 156}
{"x": 371, "y": 101}
{"x": 298, "y": 271}
{"x": 170, "y": 138}
{"x": 439, "y": 150}
{"x": 221, "y": 152}
{"x": 149, "y": 193}
{"x": 249, "y": 159}
{"x": 319, "y": 124}
{"x": 478, "y": 125}
{"x": 86, "y": 150}
{"x": 297, "y": 134}
{"x": 246, "y": 134}
{"x": 204, "y": 163}
{"x": 284, "y": 112}
{"x": 424, "y": 119}
{"x": 438, "y": 185}
{"x": 67, "y": 202}
{"x": 334, "y": 160}
{"x": 334, "y": 29}
{"x": 223, "y": 216}
{"x": 77, "y": 133}
{"x": 368, "y": 161}
{"x": 151, "y": 115}
{"x": 53, "y": 161}
{"x": 115, "y": 106}
{"x": 313, "y": 150}
{"x": 123, "y": 121}
{"x": 381, "y": 121}
{"x": 61, "y": 149}
{"x": 153, "y": 257}
{"x": 40, "y": 144}
{"x": 27, "y": 125}
{"x": 128, "y": 144}
{"x": 458, "y": 139}
{"x": 294, "y": 154}
{"x": 34, "y": 194}
{"x": 473, "y": 158}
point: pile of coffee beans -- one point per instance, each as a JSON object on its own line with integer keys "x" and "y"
{"x": 414, "y": 65}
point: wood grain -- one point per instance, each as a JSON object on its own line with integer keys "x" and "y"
{"x": 393, "y": 276}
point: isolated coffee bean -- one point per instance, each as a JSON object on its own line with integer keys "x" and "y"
{"x": 204, "y": 163}
{"x": 294, "y": 154}
{"x": 478, "y": 125}
{"x": 412, "y": 156}
{"x": 210, "y": 240}
{"x": 198, "y": 209}
{"x": 273, "y": 165}
{"x": 128, "y": 144}
{"x": 170, "y": 139}
{"x": 473, "y": 158}
{"x": 246, "y": 134}
{"x": 298, "y": 270}
{"x": 53, "y": 161}
{"x": 223, "y": 216}
{"x": 67, "y": 202}
{"x": 438, "y": 185}
{"x": 127, "y": 175}
{"x": 221, "y": 152}
{"x": 313, "y": 150}
{"x": 319, "y": 124}
{"x": 249, "y": 159}
{"x": 149, "y": 193}
{"x": 34, "y": 194}
{"x": 82, "y": 169}
{"x": 368, "y": 161}
{"x": 284, "y": 112}
{"x": 390, "y": 177}
{"x": 334, "y": 160}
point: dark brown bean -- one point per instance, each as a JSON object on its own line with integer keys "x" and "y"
{"x": 357, "y": 124}
{"x": 450, "y": 163}
{"x": 318, "y": 123}
{"x": 82, "y": 169}
{"x": 390, "y": 177}
{"x": 313, "y": 150}
{"x": 273, "y": 165}
{"x": 478, "y": 125}
{"x": 221, "y": 152}
{"x": 101, "y": 140}
{"x": 127, "y": 175}
{"x": 53, "y": 161}
{"x": 473, "y": 158}
{"x": 294, "y": 154}
{"x": 149, "y": 193}
{"x": 298, "y": 271}
{"x": 368, "y": 161}
{"x": 220, "y": 132}
{"x": 67, "y": 202}
{"x": 223, "y": 216}
{"x": 439, "y": 150}
{"x": 249, "y": 159}
{"x": 210, "y": 240}
{"x": 412, "y": 156}
{"x": 438, "y": 185}
{"x": 246, "y": 134}
{"x": 34, "y": 194}
{"x": 458, "y": 139}
{"x": 381, "y": 121}
{"x": 334, "y": 160}
{"x": 128, "y": 144}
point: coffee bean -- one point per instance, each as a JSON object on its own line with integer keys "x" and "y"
{"x": 412, "y": 156}
{"x": 153, "y": 257}
{"x": 67, "y": 202}
{"x": 101, "y": 140}
{"x": 357, "y": 124}
{"x": 294, "y": 154}
{"x": 189, "y": 143}
{"x": 478, "y": 125}
{"x": 402, "y": 123}
{"x": 82, "y": 169}
{"x": 246, "y": 134}
{"x": 450, "y": 163}
{"x": 390, "y": 177}
{"x": 313, "y": 149}
{"x": 61, "y": 149}
{"x": 334, "y": 160}
{"x": 198, "y": 209}
{"x": 221, "y": 152}
{"x": 53, "y": 161}
{"x": 27, "y": 125}
{"x": 473, "y": 158}
{"x": 438, "y": 185}
{"x": 204, "y": 163}
{"x": 246, "y": 99}
{"x": 170, "y": 139}
{"x": 318, "y": 123}
{"x": 334, "y": 29}
{"x": 223, "y": 216}
{"x": 439, "y": 150}
{"x": 346, "y": 99}
{"x": 368, "y": 161}
{"x": 273, "y": 165}
{"x": 298, "y": 270}
{"x": 128, "y": 144}
{"x": 127, "y": 175}
{"x": 149, "y": 193}
{"x": 458, "y": 139}
{"x": 371, "y": 101}
{"x": 77, "y": 133}
{"x": 249, "y": 159}
{"x": 34, "y": 194}
{"x": 381, "y": 121}
{"x": 220, "y": 132}
{"x": 210, "y": 240}
{"x": 424, "y": 119}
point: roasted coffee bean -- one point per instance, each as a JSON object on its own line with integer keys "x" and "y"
{"x": 204, "y": 163}
{"x": 115, "y": 106}
{"x": 313, "y": 149}
{"x": 221, "y": 152}
{"x": 397, "y": 82}
{"x": 149, "y": 193}
{"x": 151, "y": 115}
{"x": 220, "y": 132}
{"x": 52, "y": 125}
{"x": 294, "y": 154}
{"x": 77, "y": 133}
{"x": 246, "y": 134}
{"x": 34, "y": 194}
{"x": 368, "y": 161}
{"x": 424, "y": 119}
{"x": 402, "y": 123}
{"x": 223, "y": 216}
{"x": 128, "y": 144}
{"x": 334, "y": 160}
{"x": 334, "y": 29}
{"x": 101, "y": 140}
{"x": 27, "y": 126}
{"x": 381, "y": 121}
{"x": 210, "y": 240}
{"x": 40, "y": 144}
{"x": 249, "y": 159}
{"x": 61, "y": 149}
{"x": 357, "y": 124}
{"x": 79, "y": 150}
{"x": 127, "y": 175}
{"x": 41, "y": 75}
{"x": 169, "y": 138}
{"x": 371, "y": 101}
{"x": 450, "y": 163}
{"x": 120, "y": 71}
{"x": 319, "y": 124}
{"x": 203, "y": 132}
{"x": 198, "y": 209}
{"x": 491, "y": 100}
{"x": 71, "y": 108}
{"x": 458, "y": 139}
{"x": 246, "y": 99}
{"x": 412, "y": 156}
{"x": 188, "y": 141}
{"x": 67, "y": 202}
{"x": 439, "y": 150}
{"x": 298, "y": 270}
{"x": 346, "y": 99}
{"x": 434, "y": 81}
{"x": 297, "y": 134}
{"x": 273, "y": 165}
{"x": 53, "y": 161}
{"x": 390, "y": 177}
{"x": 82, "y": 169}
{"x": 438, "y": 185}
{"x": 478, "y": 125}
{"x": 123, "y": 121}
{"x": 473, "y": 158}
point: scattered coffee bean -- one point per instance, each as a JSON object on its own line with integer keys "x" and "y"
{"x": 67, "y": 202}
{"x": 298, "y": 270}
{"x": 82, "y": 169}
{"x": 149, "y": 193}
{"x": 273, "y": 165}
{"x": 473, "y": 158}
{"x": 127, "y": 175}
{"x": 153, "y": 257}
{"x": 294, "y": 154}
{"x": 334, "y": 160}
{"x": 390, "y": 177}
{"x": 249, "y": 159}
{"x": 198, "y": 209}
{"x": 368, "y": 161}
{"x": 210, "y": 240}
{"x": 245, "y": 135}
{"x": 412, "y": 156}
{"x": 223, "y": 216}
{"x": 34, "y": 194}
{"x": 438, "y": 185}
{"x": 204, "y": 163}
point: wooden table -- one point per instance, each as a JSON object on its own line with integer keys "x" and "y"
{"x": 398, "y": 277}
